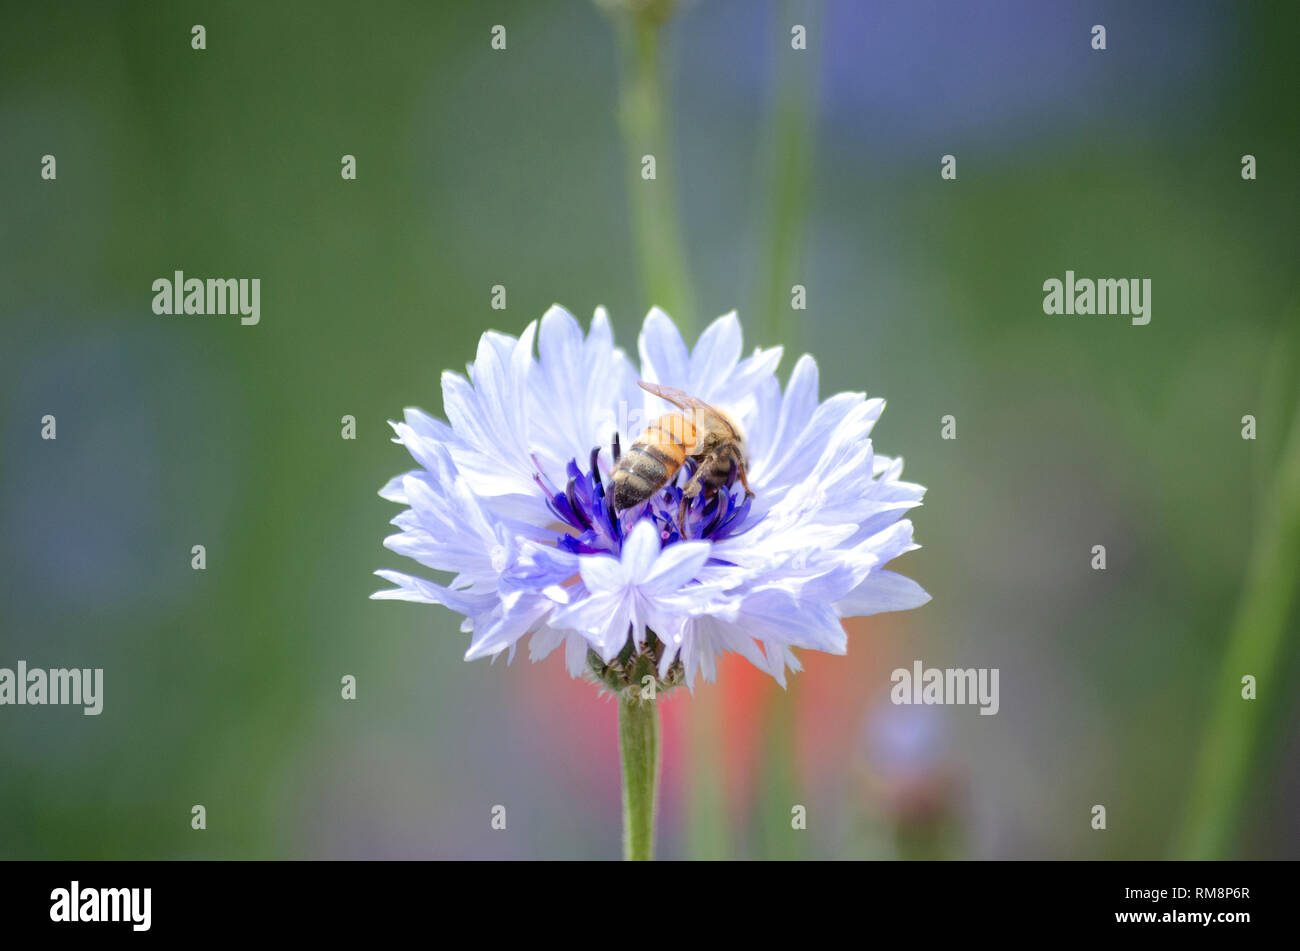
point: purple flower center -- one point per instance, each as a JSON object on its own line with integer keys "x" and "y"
{"x": 596, "y": 527}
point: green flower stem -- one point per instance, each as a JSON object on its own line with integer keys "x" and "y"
{"x": 1255, "y": 647}
{"x": 787, "y": 164}
{"x": 666, "y": 283}
{"x": 788, "y": 142}
{"x": 656, "y": 230}
{"x": 638, "y": 740}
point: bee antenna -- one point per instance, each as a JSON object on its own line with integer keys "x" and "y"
{"x": 615, "y": 447}
{"x": 595, "y": 467}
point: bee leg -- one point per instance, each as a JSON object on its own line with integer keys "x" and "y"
{"x": 690, "y": 491}
{"x": 740, "y": 471}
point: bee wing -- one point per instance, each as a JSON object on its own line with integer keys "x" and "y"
{"x": 675, "y": 396}
{"x": 684, "y": 401}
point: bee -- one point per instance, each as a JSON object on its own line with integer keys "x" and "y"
{"x": 700, "y": 432}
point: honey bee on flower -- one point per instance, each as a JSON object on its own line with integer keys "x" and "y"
{"x": 741, "y": 516}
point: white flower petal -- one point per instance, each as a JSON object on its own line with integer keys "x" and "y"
{"x": 602, "y": 573}
{"x": 640, "y": 550}
{"x": 411, "y": 588}
{"x": 883, "y": 591}
{"x": 664, "y": 358}
{"x": 676, "y": 565}
{"x": 716, "y": 352}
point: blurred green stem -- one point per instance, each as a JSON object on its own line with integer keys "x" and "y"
{"x": 1255, "y": 648}
{"x": 787, "y": 169}
{"x": 665, "y": 280}
{"x": 656, "y": 230}
{"x": 638, "y": 740}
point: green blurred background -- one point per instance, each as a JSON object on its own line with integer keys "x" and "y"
{"x": 479, "y": 167}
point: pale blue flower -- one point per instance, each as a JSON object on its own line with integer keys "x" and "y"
{"x": 510, "y": 499}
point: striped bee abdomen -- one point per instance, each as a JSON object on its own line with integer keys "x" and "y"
{"x": 653, "y": 459}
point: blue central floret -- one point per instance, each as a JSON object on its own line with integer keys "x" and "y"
{"x": 598, "y": 529}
